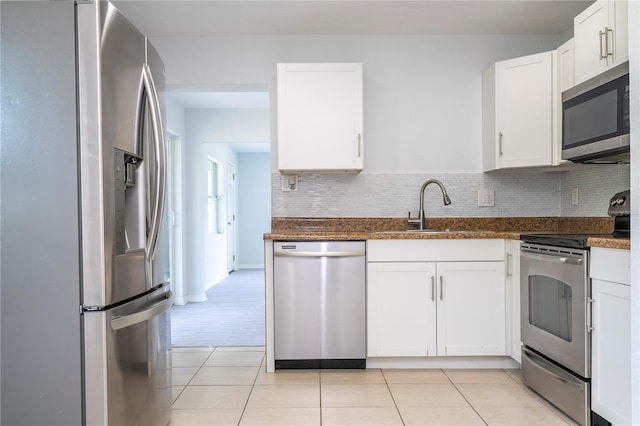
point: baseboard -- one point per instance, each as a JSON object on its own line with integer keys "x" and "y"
{"x": 444, "y": 362}
{"x": 179, "y": 301}
{"x": 251, "y": 266}
{"x": 195, "y": 298}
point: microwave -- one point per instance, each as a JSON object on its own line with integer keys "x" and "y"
{"x": 595, "y": 118}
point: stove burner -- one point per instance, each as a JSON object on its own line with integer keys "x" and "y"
{"x": 577, "y": 241}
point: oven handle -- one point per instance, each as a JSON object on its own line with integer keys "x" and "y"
{"x": 550, "y": 258}
{"x": 542, "y": 364}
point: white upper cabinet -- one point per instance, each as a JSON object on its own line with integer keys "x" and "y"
{"x": 601, "y": 37}
{"x": 566, "y": 80}
{"x": 320, "y": 117}
{"x": 566, "y": 75}
{"x": 520, "y": 108}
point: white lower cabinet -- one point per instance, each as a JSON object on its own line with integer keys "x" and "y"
{"x": 471, "y": 308}
{"x": 435, "y": 308}
{"x": 611, "y": 335}
{"x": 401, "y": 309}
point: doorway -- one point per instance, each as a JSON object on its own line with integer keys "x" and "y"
{"x": 231, "y": 217}
{"x": 231, "y": 313}
{"x": 223, "y": 300}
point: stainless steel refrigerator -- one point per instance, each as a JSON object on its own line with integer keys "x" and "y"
{"x": 84, "y": 278}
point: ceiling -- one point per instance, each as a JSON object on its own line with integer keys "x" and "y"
{"x": 209, "y": 18}
{"x": 202, "y": 18}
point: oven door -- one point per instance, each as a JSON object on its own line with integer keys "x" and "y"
{"x": 554, "y": 292}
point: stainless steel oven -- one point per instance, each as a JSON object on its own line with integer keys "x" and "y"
{"x": 555, "y": 326}
{"x": 555, "y": 295}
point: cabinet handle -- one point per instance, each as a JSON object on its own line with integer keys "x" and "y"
{"x": 590, "y": 314}
{"x": 500, "y": 143}
{"x": 359, "y": 145}
{"x": 608, "y": 30}
{"x": 433, "y": 288}
{"x": 602, "y": 33}
{"x": 441, "y": 289}
{"x": 509, "y": 260}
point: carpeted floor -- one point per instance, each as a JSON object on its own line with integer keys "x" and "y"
{"x": 232, "y": 315}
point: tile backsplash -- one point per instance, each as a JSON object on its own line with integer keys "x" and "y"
{"x": 596, "y": 185}
{"x": 516, "y": 193}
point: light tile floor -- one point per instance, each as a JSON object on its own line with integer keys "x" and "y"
{"x": 229, "y": 386}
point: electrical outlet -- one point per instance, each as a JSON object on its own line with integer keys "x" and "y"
{"x": 486, "y": 198}
{"x": 289, "y": 183}
{"x": 575, "y": 196}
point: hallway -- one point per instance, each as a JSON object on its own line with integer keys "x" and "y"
{"x": 232, "y": 315}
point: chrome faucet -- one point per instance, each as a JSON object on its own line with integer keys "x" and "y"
{"x": 420, "y": 219}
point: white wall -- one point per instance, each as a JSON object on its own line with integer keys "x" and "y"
{"x": 254, "y": 207}
{"x": 422, "y": 93}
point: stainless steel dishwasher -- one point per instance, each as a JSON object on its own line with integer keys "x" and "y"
{"x": 319, "y": 304}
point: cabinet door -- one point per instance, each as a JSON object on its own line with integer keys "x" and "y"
{"x": 401, "y": 309}
{"x": 620, "y": 21}
{"x": 566, "y": 60}
{"x": 525, "y": 96}
{"x": 611, "y": 365}
{"x": 601, "y": 34}
{"x": 320, "y": 117}
{"x": 566, "y": 80}
{"x": 589, "y": 29}
{"x": 471, "y": 308}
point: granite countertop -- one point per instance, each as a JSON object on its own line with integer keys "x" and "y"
{"x": 351, "y": 229}
{"x": 610, "y": 242}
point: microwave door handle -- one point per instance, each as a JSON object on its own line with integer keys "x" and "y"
{"x": 551, "y": 258}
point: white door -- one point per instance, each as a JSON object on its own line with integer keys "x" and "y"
{"x": 320, "y": 116}
{"x": 231, "y": 217}
{"x": 471, "y": 308}
{"x": 401, "y": 309}
{"x": 611, "y": 375}
{"x": 525, "y": 111}
{"x": 589, "y": 27}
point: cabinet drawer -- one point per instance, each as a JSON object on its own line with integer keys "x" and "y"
{"x": 611, "y": 265}
{"x": 435, "y": 250}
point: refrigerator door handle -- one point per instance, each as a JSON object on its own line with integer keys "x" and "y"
{"x": 158, "y": 137}
{"x": 156, "y": 309}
